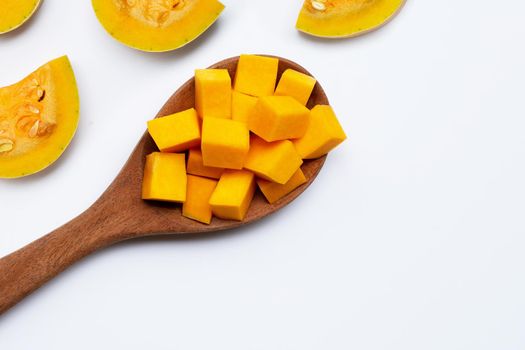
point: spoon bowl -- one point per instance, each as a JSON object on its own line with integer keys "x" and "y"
{"x": 121, "y": 214}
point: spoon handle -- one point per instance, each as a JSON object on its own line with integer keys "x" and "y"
{"x": 30, "y": 267}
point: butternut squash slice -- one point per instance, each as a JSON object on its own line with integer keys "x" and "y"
{"x": 38, "y": 118}
{"x": 345, "y": 18}
{"x": 14, "y": 13}
{"x": 156, "y": 25}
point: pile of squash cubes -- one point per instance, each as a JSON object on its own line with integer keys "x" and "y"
{"x": 212, "y": 157}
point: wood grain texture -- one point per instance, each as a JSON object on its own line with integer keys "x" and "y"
{"x": 120, "y": 213}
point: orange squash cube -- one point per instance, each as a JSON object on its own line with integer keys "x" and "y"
{"x": 256, "y": 75}
{"x": 197, "y": 206}
{"x": 279, "y": 118}
{"x": 274, "y": 191}
{"x": 225, "y": 143}
{"x": 213, "y": 93}
{"x": 176, "y": 132}
{"x": 165, "y": 177}
{"x": 196, "y": 166}
{"x": 233, "y": 195}
{"x": 274, "y": 161}
{"x": 242, "y": 106}
{"x": 323, "y": 134}
{"x": 296, "y": 85}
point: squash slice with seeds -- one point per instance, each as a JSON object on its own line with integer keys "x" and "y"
{"x": 156, "y": 25}
{"x": 345, "y": 18}
{"x": 38, "y": 118}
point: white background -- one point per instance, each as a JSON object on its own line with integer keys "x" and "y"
{"x": 412, "y": 237}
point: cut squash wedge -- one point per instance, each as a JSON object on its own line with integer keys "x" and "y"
{"x": 38, "y": 118}
{"x": 14, "y": 13}
{"x": 156, "y": 25}
{"x": 345, "y": 18}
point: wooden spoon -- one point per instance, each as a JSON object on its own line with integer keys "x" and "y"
{"x": 120, "y": 213}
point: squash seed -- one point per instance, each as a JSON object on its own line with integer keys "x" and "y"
{"x": 318, "y": 5}
{"x": 6, "y": 145}
{"x": 33, "y": 132}
{"x": 34, "y": 109}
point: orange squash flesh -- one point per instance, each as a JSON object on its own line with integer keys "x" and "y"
{"x": 156, "y": 25}
{"x": 38, "y": 118}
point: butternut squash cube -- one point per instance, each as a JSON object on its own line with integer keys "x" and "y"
{"x": 165, "y": 177}
{"x": 213, "y": 93}
{"x": 323, "y": 134}
{"x": 279, "y": 118}
{"x": 274, "y": 161}
{"x": 176, "y": 132}
{"x": 233, "y": 194}
{"x": 225, "y": 143}
{"x": 196, "y": 166}
{"x": 256, "y": 75}
{"x": 197, "y": 206}
{"x": 242, "y": 106}
{"x": 296, "y": 85}
{"x": 274, "y": 191}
